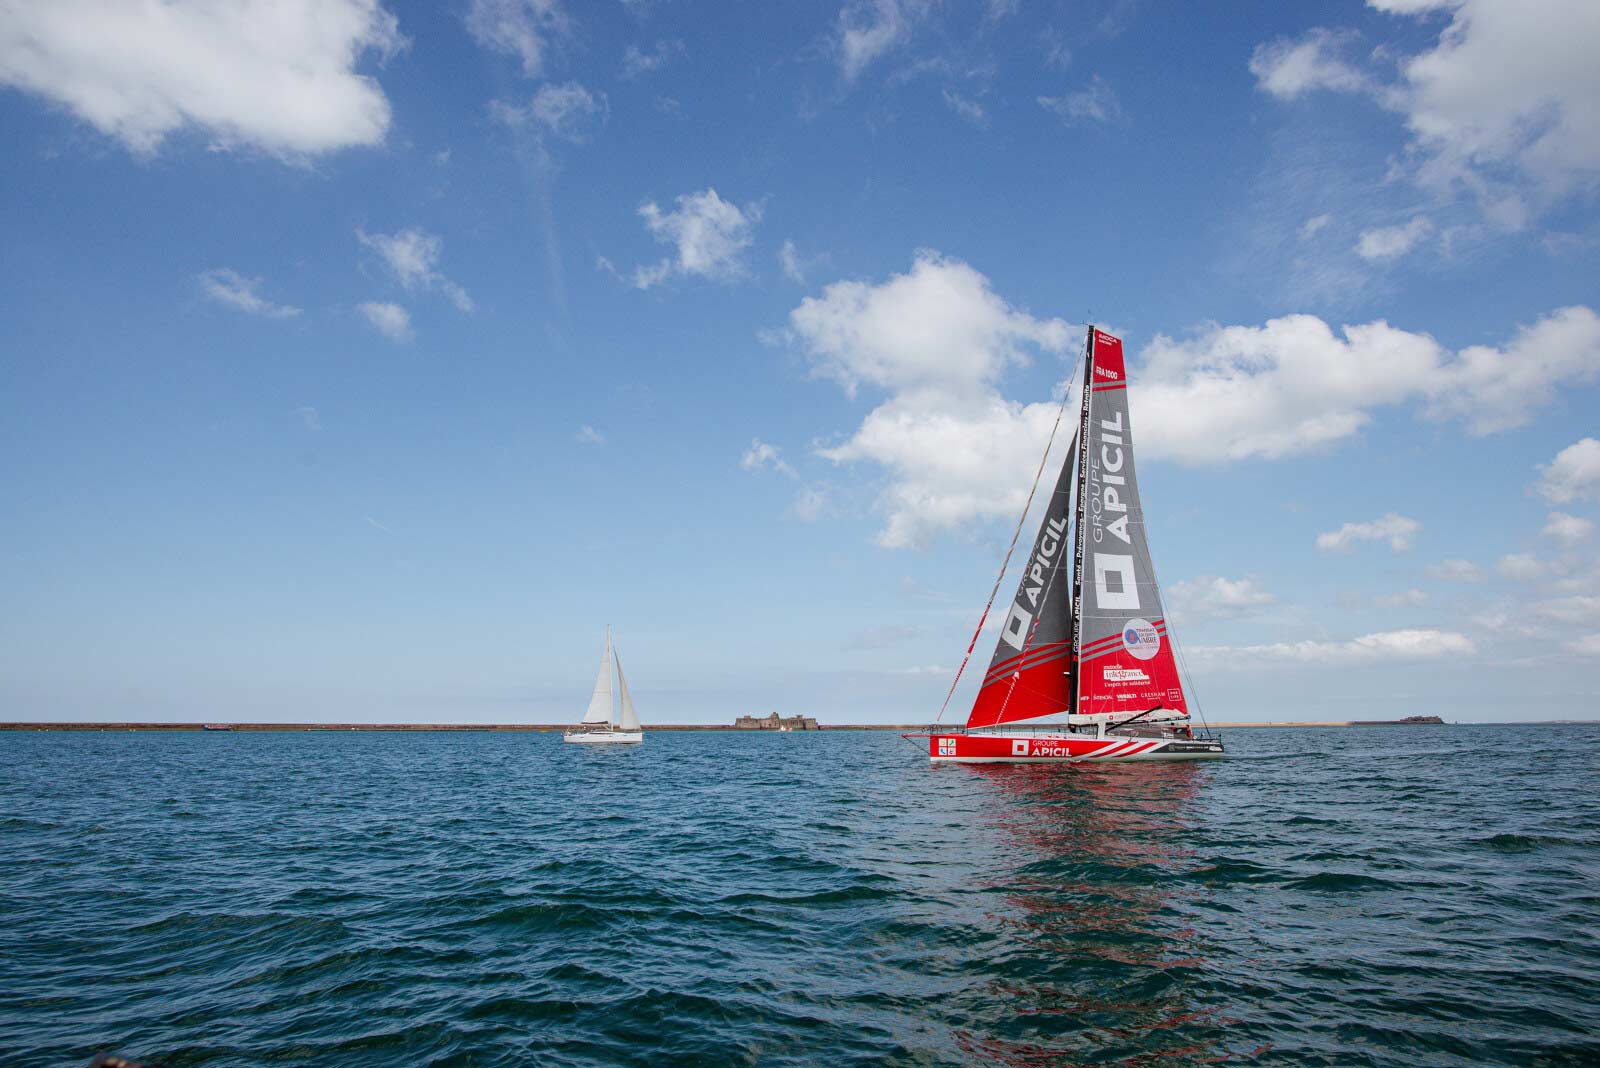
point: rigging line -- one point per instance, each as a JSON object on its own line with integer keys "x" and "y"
{"x": 1066, "y": 395}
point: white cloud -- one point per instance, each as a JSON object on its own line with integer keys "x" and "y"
{"x": 589, "y": 435}
{"x": 1588, "y": 645}
{"x": 1455, "y": 571}
{"x": 1287, "y": 69}
{"x": 1571, "y": 610}
{"x": 968, "y": 109}
{"x": 227, "y": 286}
{"x": 1567, "y": 530}
{"x": 1390, "y": 242}
{"x": 309, "y": 418}
{"x": 1412, "y": 598}
{"x": 636, "y": 62}
{"x": 1497, "y": 389}
{"x": 1314, "y": 226}
{"x": 519, "y": 28}
{"x": 390, "y": 320}
{"x": 1510, "y": 82}
{"x": 939, "y": 327}
{"x": 1397, "y": 530}
{"x": 709, "y": 236}
{"x": 1502, "y": 105}
{"x": 1214, "y": 597}
{"x": 562, "y": 110}
{"x": 1095, "y": 103}
{"x": 869, "y": 29}
{"x": 1520, "y": 567}
{"x": 413, "y": 255}
{"x": 1292, "y": 385}
{"x": 276, "y": 75}
{"x": 762, "y": 455}
{"x": 1390, "y": 646}
{"x": 1573, "y": 475}
{"x": 936, "y": 339}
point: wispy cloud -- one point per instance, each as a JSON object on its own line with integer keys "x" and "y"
{"x": 412, "y": 255}
{"x": 1392, "y": 646}
{"x": 762, "y": 455}
{"x": 1397, "y": 530}
{"x": 1096, "y": 102}
{"x": 589, "y": 435}
{"x": 227, "y": 286}
{"x": 566, "y": 111}
{"x": 522, "y": 29}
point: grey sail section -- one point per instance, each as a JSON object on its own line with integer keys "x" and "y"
{"x": 600, "y": 701}
{"x": 1125, "y": 657}
{"x": 1027, "y": 674}
{"x": 627, "y": 718}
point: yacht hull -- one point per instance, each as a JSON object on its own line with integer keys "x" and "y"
{"x": 1036, "y": 748}
{"x": 603, "y": 737}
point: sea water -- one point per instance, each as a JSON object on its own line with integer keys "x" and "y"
{"x": 1360, "y": 896}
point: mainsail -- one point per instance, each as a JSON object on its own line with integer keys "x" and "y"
{"x": 628, "y": 719}
{"x": 1088, "y": 600}
{"x": 600, "y": 702}
{"x": 1123, "y": 654}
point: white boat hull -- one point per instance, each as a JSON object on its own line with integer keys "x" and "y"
{"x": 603, "y": 737}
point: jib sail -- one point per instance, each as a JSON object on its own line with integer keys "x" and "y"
{"x": 1027, "y": 677}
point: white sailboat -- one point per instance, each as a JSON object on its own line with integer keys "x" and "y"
{"x": 608, "y": 723}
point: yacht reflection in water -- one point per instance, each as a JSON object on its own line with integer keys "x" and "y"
{"x": 1097, "y": 959}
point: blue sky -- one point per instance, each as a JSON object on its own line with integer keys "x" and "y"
{"x": 362, "y": 360}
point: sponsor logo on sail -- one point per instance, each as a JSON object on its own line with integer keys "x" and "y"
{"x": 1119, "y": 674}
{"x": 1140, "y": 638}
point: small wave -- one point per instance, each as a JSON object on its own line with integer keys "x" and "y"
{"x": 1522, "y": 843}
{"x": 1333, "y": 882}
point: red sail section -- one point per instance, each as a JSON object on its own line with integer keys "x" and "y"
{"x": 1125, "y": 656}
{"x": 1031, "y": 686}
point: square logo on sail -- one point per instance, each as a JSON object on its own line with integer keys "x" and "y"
{"x": 1019, "y": 747}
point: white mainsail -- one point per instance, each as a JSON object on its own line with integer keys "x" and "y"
{"x": 600, "y": 703}
{"x": 629, "y": 719}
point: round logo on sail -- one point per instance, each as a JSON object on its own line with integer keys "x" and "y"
{"x": 1139, "y": 637}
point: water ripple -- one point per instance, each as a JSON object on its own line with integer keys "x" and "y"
{"x": 1331, "y": 897}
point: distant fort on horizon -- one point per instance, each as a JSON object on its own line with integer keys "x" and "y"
{"x": 774, "y": 722}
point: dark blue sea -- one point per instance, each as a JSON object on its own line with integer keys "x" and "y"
{"x": 1341, "y": 897}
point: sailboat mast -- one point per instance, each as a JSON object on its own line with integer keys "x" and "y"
{"x": 1075, "y": 665}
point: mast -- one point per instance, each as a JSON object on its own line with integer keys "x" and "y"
{"x": 1079, "y": 540}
